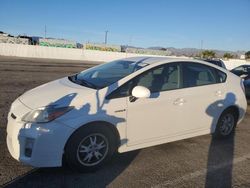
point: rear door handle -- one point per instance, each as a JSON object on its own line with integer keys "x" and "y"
{"x": 218, "y": 93}
{"x": 179, "y": 101}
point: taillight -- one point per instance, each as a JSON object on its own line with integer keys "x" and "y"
{"x": 242, "y": 85}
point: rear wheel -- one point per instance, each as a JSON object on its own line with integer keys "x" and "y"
{"x": 226, "y": 124}
{"x": 90, "y": 147}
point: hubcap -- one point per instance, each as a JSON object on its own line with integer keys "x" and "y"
{"x": 92, "y": 149}
{"x": 227, "y": 124}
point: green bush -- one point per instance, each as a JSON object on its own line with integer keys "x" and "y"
{"x": 247, "y": 55}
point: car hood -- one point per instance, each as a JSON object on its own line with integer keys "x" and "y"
{"x": 61, "y": 92}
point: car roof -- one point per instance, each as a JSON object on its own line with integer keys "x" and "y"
{"x": 152, "y": 59}
{"x": 244, "y": 66}
{"x": 211, "y": 59}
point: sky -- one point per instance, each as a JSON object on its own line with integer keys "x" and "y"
{"x": 206, "y": 24}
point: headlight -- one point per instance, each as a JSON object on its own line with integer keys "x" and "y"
{"x": 45, "y": 114}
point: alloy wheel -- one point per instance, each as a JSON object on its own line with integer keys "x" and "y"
{"x": 227, "y": 126}
{"x": 92, "y": 149}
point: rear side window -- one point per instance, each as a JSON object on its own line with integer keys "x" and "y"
{"x": 195, "y": 74}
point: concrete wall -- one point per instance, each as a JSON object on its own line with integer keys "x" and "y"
{"x": 13, "y": 40}
{"x": 31, "y": 51}
{"x": 19, "y": 50}
{"x": 92, "y": 55}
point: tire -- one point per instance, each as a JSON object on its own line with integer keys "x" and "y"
{"x": 226, "y": 124}
{"x": 90, "y": 147}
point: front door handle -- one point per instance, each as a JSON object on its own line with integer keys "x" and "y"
{"x": 179, "y": 101}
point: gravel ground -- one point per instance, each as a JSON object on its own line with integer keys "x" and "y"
{"x": 196, "y": 162}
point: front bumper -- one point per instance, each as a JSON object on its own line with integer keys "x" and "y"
{"x": 45, "y": 141}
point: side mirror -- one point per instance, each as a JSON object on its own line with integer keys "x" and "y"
{"x": 140, "y": 92}
{"x": 243, "y": 76}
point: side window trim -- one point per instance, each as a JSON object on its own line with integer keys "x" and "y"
{"x": 181, "y": 65}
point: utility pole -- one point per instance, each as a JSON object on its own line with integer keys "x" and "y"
{"x": 106, "y": 37}
{"x": 45, "y": 32}
{"x": 201, "y": 48}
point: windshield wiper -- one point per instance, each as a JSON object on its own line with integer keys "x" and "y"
{"x": 86, "y": 83}
{"x": 82, "y": 82}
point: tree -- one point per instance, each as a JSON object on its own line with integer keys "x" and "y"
{"x": 228, "y": 56}
{"x": 247, "y": 55}
{"x": 208, "y": 54}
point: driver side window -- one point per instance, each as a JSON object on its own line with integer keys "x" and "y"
{"x": 158, "y": 79}
{"x": 163, "y": 78}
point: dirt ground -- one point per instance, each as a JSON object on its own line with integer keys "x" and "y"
{"x": 196, "y": 162}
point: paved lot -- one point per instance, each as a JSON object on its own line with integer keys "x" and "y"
{"x": 196, "y": 162}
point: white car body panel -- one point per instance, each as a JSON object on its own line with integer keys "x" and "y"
{"x": 59, "y": 92}
{"x": 146, "y": 122}
{"x": 178, "y": 102}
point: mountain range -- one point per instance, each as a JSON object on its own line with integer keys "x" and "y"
{"x": 191, "y": 52}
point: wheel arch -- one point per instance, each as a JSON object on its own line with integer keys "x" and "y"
{"x": 108, "y": 125}
{"x": 235, "y": 109}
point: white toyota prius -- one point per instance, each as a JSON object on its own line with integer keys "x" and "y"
{"x": 121, "y": 106}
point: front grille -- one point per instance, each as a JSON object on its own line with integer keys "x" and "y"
{"x": 13, "y": 116}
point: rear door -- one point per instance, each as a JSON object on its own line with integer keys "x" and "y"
{"x": 203, "y": 94}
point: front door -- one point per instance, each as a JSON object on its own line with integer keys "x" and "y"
{"x": 158, "y": 116}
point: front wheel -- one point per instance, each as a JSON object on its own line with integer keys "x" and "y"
{"x": 89, "y": 148}
{"x": 226, "y": 124}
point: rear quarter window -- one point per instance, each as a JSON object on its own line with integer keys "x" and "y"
{"x": 221, "y": 76}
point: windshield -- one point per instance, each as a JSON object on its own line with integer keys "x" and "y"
{"x": 106, "y": 74}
